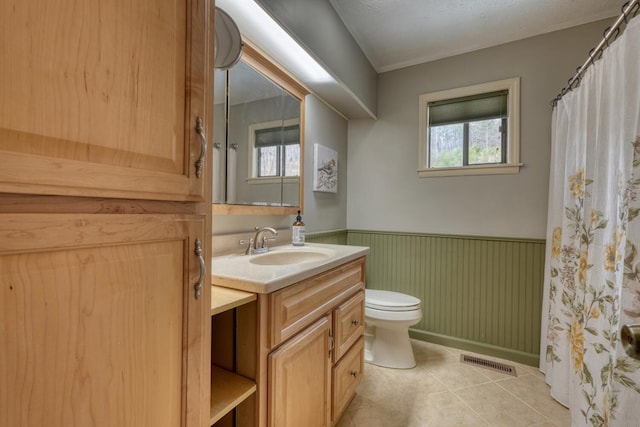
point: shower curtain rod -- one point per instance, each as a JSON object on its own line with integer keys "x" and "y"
{"x": 629, "y": 8}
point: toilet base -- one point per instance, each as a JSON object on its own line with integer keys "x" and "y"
{"x": 389, "y": 348}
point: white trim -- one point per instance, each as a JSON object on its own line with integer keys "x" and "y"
{"x": 513, "y": 129}
{"x": 498, "y": 169}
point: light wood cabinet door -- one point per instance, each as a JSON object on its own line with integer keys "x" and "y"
{"x": 300, "y": 378}
{"x": 347, "y": 374}
{"x": 99, "y": 324}
{"x": 348, "y": 324}
{"x": 101, "y": 98}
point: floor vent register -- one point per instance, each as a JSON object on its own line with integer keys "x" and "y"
{"x": 488, "y": 364}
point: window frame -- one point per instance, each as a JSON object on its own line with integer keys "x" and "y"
{"x": 253, "y": 177}
{"x": 512, "y": 164}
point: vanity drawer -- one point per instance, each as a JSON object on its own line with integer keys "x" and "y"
{"x": 293, "y": 308}
{"x": 346, "y": 375}
{"x": 348, "y": 324}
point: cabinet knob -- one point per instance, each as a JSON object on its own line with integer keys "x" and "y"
{"x": 203, "y": 146}
{"x": 354, "y": 374}
{"x": 355, "y": 322}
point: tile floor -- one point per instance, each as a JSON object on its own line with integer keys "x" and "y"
{"x": 440, "y": 391}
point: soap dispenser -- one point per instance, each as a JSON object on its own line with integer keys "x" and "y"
{"x": 297, "y": 229}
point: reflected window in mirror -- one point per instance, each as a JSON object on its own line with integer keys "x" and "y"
{"x": 275, "y": 149}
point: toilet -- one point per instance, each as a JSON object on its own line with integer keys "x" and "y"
{"x": 388, "y": 316}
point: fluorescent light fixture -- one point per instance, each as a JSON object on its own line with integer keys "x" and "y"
{"x": 257, "y": 26}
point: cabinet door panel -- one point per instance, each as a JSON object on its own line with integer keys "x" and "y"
{"x": 95, "y": 101}
{"x": 348, "y": 324}
{"x": 98, "y": 332}
{"x": 299, "y": 379}
{"x": 347, "y": 374}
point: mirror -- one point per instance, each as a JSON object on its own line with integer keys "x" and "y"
{"x": 258, "y": 136}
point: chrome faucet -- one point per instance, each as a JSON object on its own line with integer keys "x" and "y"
{"x": 258, "y": 243}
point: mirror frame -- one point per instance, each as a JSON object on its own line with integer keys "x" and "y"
{"x": 251, "y": 56}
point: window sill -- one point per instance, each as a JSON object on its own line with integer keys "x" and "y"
{"x": 274, "y": 180}
{"x": 510, "y": 168}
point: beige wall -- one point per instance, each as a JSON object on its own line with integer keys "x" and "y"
{"x": 325, "y": 211}
{"x": 384, "y": 190}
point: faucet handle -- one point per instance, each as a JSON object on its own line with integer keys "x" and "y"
{"x": 266, "y": 239}
{"x": 249, "y": 244}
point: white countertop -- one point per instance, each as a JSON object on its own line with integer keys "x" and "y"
{"x": 238, "y": 272}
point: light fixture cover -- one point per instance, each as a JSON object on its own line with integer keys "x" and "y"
{"x": 228, "y": 41}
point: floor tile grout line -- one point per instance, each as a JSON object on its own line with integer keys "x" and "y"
{"x": 471, "y": 408}
{"x": 524, "y": 402}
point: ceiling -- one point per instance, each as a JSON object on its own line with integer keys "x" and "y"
{"x": 399, "y": 33}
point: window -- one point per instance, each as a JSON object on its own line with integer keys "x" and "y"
{"x": 470, "y": 131}
{"x": 275, "y": 149}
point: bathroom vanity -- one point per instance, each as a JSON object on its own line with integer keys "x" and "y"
{"x": 288, "y": 350}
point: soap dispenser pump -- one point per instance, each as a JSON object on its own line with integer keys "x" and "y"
{"x": 297, "y": 231}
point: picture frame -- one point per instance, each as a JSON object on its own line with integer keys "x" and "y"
{"x": 325, "y": 169}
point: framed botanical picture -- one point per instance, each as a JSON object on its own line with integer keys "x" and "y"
{"x": 325, "y": 169}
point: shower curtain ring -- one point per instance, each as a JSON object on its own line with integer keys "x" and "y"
{"x": 624, "y": 12}
{"x": 616, "y": 32}
{"x": 605, "y": 36}
{"x": 573, "y": 83}
{"x": 599, "y": 53}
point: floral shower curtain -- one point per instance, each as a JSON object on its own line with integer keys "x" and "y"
{"x": 592, "y": 273}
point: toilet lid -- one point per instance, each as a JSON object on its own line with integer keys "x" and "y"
{"x": 390, "y": 301}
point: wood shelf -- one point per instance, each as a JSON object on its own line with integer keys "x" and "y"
{"x": 228, "y": 390}
{"x": 223, "y": 299}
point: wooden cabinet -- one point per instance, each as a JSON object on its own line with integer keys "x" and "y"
{"x": 300, "y": 378}
{"x": 345, "y": 377}
{"x": 348, "y": 324}
{"x": 101, "y": 325}
{"x": 104, "y": 224}
{"x": 102, "y": 98}
{"x": 229, "y": 389}
{"x": 316, "y": 348}
{"x": 302, "y": 347}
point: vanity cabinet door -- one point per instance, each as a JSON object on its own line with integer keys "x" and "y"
{"x": 100, "y": 324}
{"x": 348, "y": 324}
{"x": 300, "y": 378}
{"x": 101, "y": 98}
{"x": 346, "y": 376}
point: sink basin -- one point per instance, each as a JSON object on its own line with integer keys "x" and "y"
{"x": 282, "y": 266}
{"x": 288, "y": 257}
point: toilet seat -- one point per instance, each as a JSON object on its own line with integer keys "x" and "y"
{"x": 411, "y": 316}
{"x": 390, "y": 301}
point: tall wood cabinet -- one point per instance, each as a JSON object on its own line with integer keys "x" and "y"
{"x": 102, "y": 98}
{"x": 105, "y": 212}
